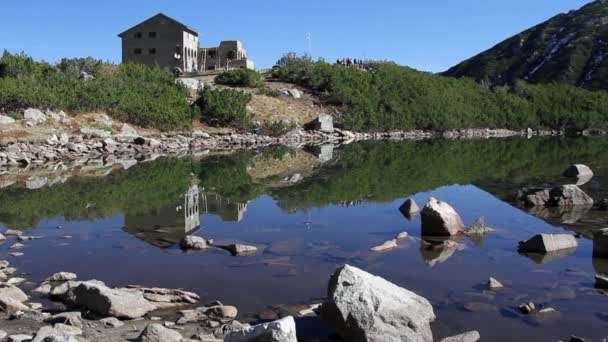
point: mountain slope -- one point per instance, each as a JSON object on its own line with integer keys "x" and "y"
{"x": 570, "y": 48}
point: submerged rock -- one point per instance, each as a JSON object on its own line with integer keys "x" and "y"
{"x": 409, "y": 208}
{"x": 440, "y": 219}
{"x": 283, "y": 330}
{"x": 494, "y": 284}
{"x": 479, "y": 227}
{"x": 387, "y": 245}
{"x": 363, "y": 307}
{"x": 545, "y": 243}
{"x": 601, "y": 281}
{"x": 158, "y": 333}
{"x": 578, "y": 170}
{"x": 471, "y": 336}
{"x": 238, "y": 249}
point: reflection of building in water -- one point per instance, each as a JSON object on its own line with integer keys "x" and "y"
{"x": 215, "y": 204}
{"x": 168, "y": 225}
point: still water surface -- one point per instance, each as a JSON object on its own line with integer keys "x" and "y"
{"x": 311, "y": 211}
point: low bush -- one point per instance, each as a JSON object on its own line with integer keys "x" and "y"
{"x": 224, "y": 107}
{"x": 274, "y": 128}
{"x": 139, "y": 94}
{"x": 240, "y": 78}
{"x": 269, "y": 92}
{"x": 386, "y": 96}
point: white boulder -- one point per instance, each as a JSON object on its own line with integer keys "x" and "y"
{"x": 440, "y": 219}
{"x": 282, "y": 330}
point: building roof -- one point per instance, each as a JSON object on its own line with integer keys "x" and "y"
{"x": 160, "y": 15}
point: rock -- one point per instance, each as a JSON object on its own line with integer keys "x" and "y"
{"x": 16, "y": 281}
{"x": 600, "y": 243}
{"x": 527, "y": 308}
{"x": 111, "y": 322}
{"x": 193, "y": 242}
{"x": 494, "y": 284}
{"x": 238, "y": 249}
{"x": 295, "y": 93}
{"x": 440, "y": 219}
{"x": 402, "y": 235}
{"x": 43, "y": 289}
{"x": 58, "y": 330}
{"x": 283, "y": 330}
{"x": 17, "y": 246}
{"x": 2, "y": 237}
{"x": 2, "y": 334}
{"x": 409, "y": 208}
{"x": 363, "y": 307}
{"x": 54, "y": 338}
{"x": 471, "y": 336}
{"x": 324, "y": 123}
{"x": 190, "y": 83}
{"x": 127, "y": 130}
{"x": 70, "y": 318}
{"x": 158, "y": 333}
{"x": 575, "y": 338}
{"x": 268, "y": 315}
{"x": 221, "y": 312}
{"x": 96, "y": 132}
{"x": 545, "y": 243}
{"x": 97, "y": 297}
{"x": 36, "y": 182}
{"x": 601, "y": 281}
{"x": 34, "y": 115}
{"x": 16, "y": 254}
{"x": 548, "y": 311}
{"x": 534, "y": 197}
{"x": 568, "y": 195}
{"x": 387, "y": 245}
{"x": 19, "y": 338}
{"x": 11, "y": 292}
{"x": 578, "y": 170}
{"x": 478, "y": 227}
{"x": 6, "y": 120}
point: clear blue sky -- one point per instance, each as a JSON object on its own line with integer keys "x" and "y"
{"x": 428, "y": 35}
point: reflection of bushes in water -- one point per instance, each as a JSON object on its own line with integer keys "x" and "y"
{"x": 145, "y": 186}
{"x": 386, "y": 171}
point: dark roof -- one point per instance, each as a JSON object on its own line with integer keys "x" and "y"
{"x": 182, "y": 26}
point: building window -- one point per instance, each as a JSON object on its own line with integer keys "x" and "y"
{"x": 212, "y": 53}
{"x": 138, "y": 35}
{"x": 151, "y": 34}
{"x": 230, "y": 55}
{"x": 152, "y": 51}
{"x": 137, "y": 51}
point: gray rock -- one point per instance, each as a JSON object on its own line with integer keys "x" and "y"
{"x": 6, "y": 120}
{"x": 70, "y": 318}
{"x": 36, "y": 182}
{"x": 158, "y": 333}
{"x": 409, "y": 208}
{"x": 2, "y": 237}
{"x": 363, "y": 307}
{"x": 324, "y": 123}
{"x": 54, "y": 338}
{"x": 221, "y": 312}
{"x": 568, "y": 195}
{"x": 62, "y": 276}
{"x": 387, "y": 245}
{"x": 95, "y": 132}
{"x": 578, "y": 170}
{"x": 127, "y": 130}
{"x": 193, "y": 242}
{"x": 11, "y": 232}
{"x": 111, "y": 322}
{"x": 494, "y": 284}
{"x": 19, "y": 338}
{"x": 97, "y": 297}
{"x": 440, "y": 219}
{"x": 283, "y": 330}
{"x": 478, "y": 227}
{"x": 600, "y": 243}
{"x": 2, "y": 334}
{"x": 239, "y": 249}
{"x": 10, "y": 294}
{"x": 601, "y": 281}
{"x": 59, "y": 330}
{"x": 34, "y": 115}
{"x": 534, "y": 197}
{"x": 402, "y": 235}
{"x": 546, "y": 243}
{"x": 471, "y": 336}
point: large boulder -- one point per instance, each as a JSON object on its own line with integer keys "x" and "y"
{"x": 578, "y": 170}
{"x": 471, "y": 336}
{"x": 366, "y": 308}
{"x": 440, "y": 219}
{"x": 324, "y": 123}
{"x": 534, "y": 197}
{"x": 568, "y": 195}
{"x": 600, "y": 243}
{"x": 158, "y": 333}
{"x": 97, "y": 297}
{"x": 283, "y": 330}
{"x": 546, "y": 243}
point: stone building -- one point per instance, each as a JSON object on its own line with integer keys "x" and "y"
{"x": 173, "y": 46}
{"x": 229, "y": 55}
{"x": 161, "y": 41}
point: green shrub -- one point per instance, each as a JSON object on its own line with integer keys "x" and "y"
{"x": 269, "y": 92}
{"x": 387, "y": 96}
{"x": 142, "y": 95}
{"x": 274, "y": 128}
{"x": 240, "y": 78}
{"x": 224, "y": 107}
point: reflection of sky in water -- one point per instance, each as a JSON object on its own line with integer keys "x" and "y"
{"x": 298, "y": 256}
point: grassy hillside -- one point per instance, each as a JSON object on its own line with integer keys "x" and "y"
{"x": 570, "y": 48}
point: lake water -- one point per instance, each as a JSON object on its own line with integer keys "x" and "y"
{"x": 313, "y": 210}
